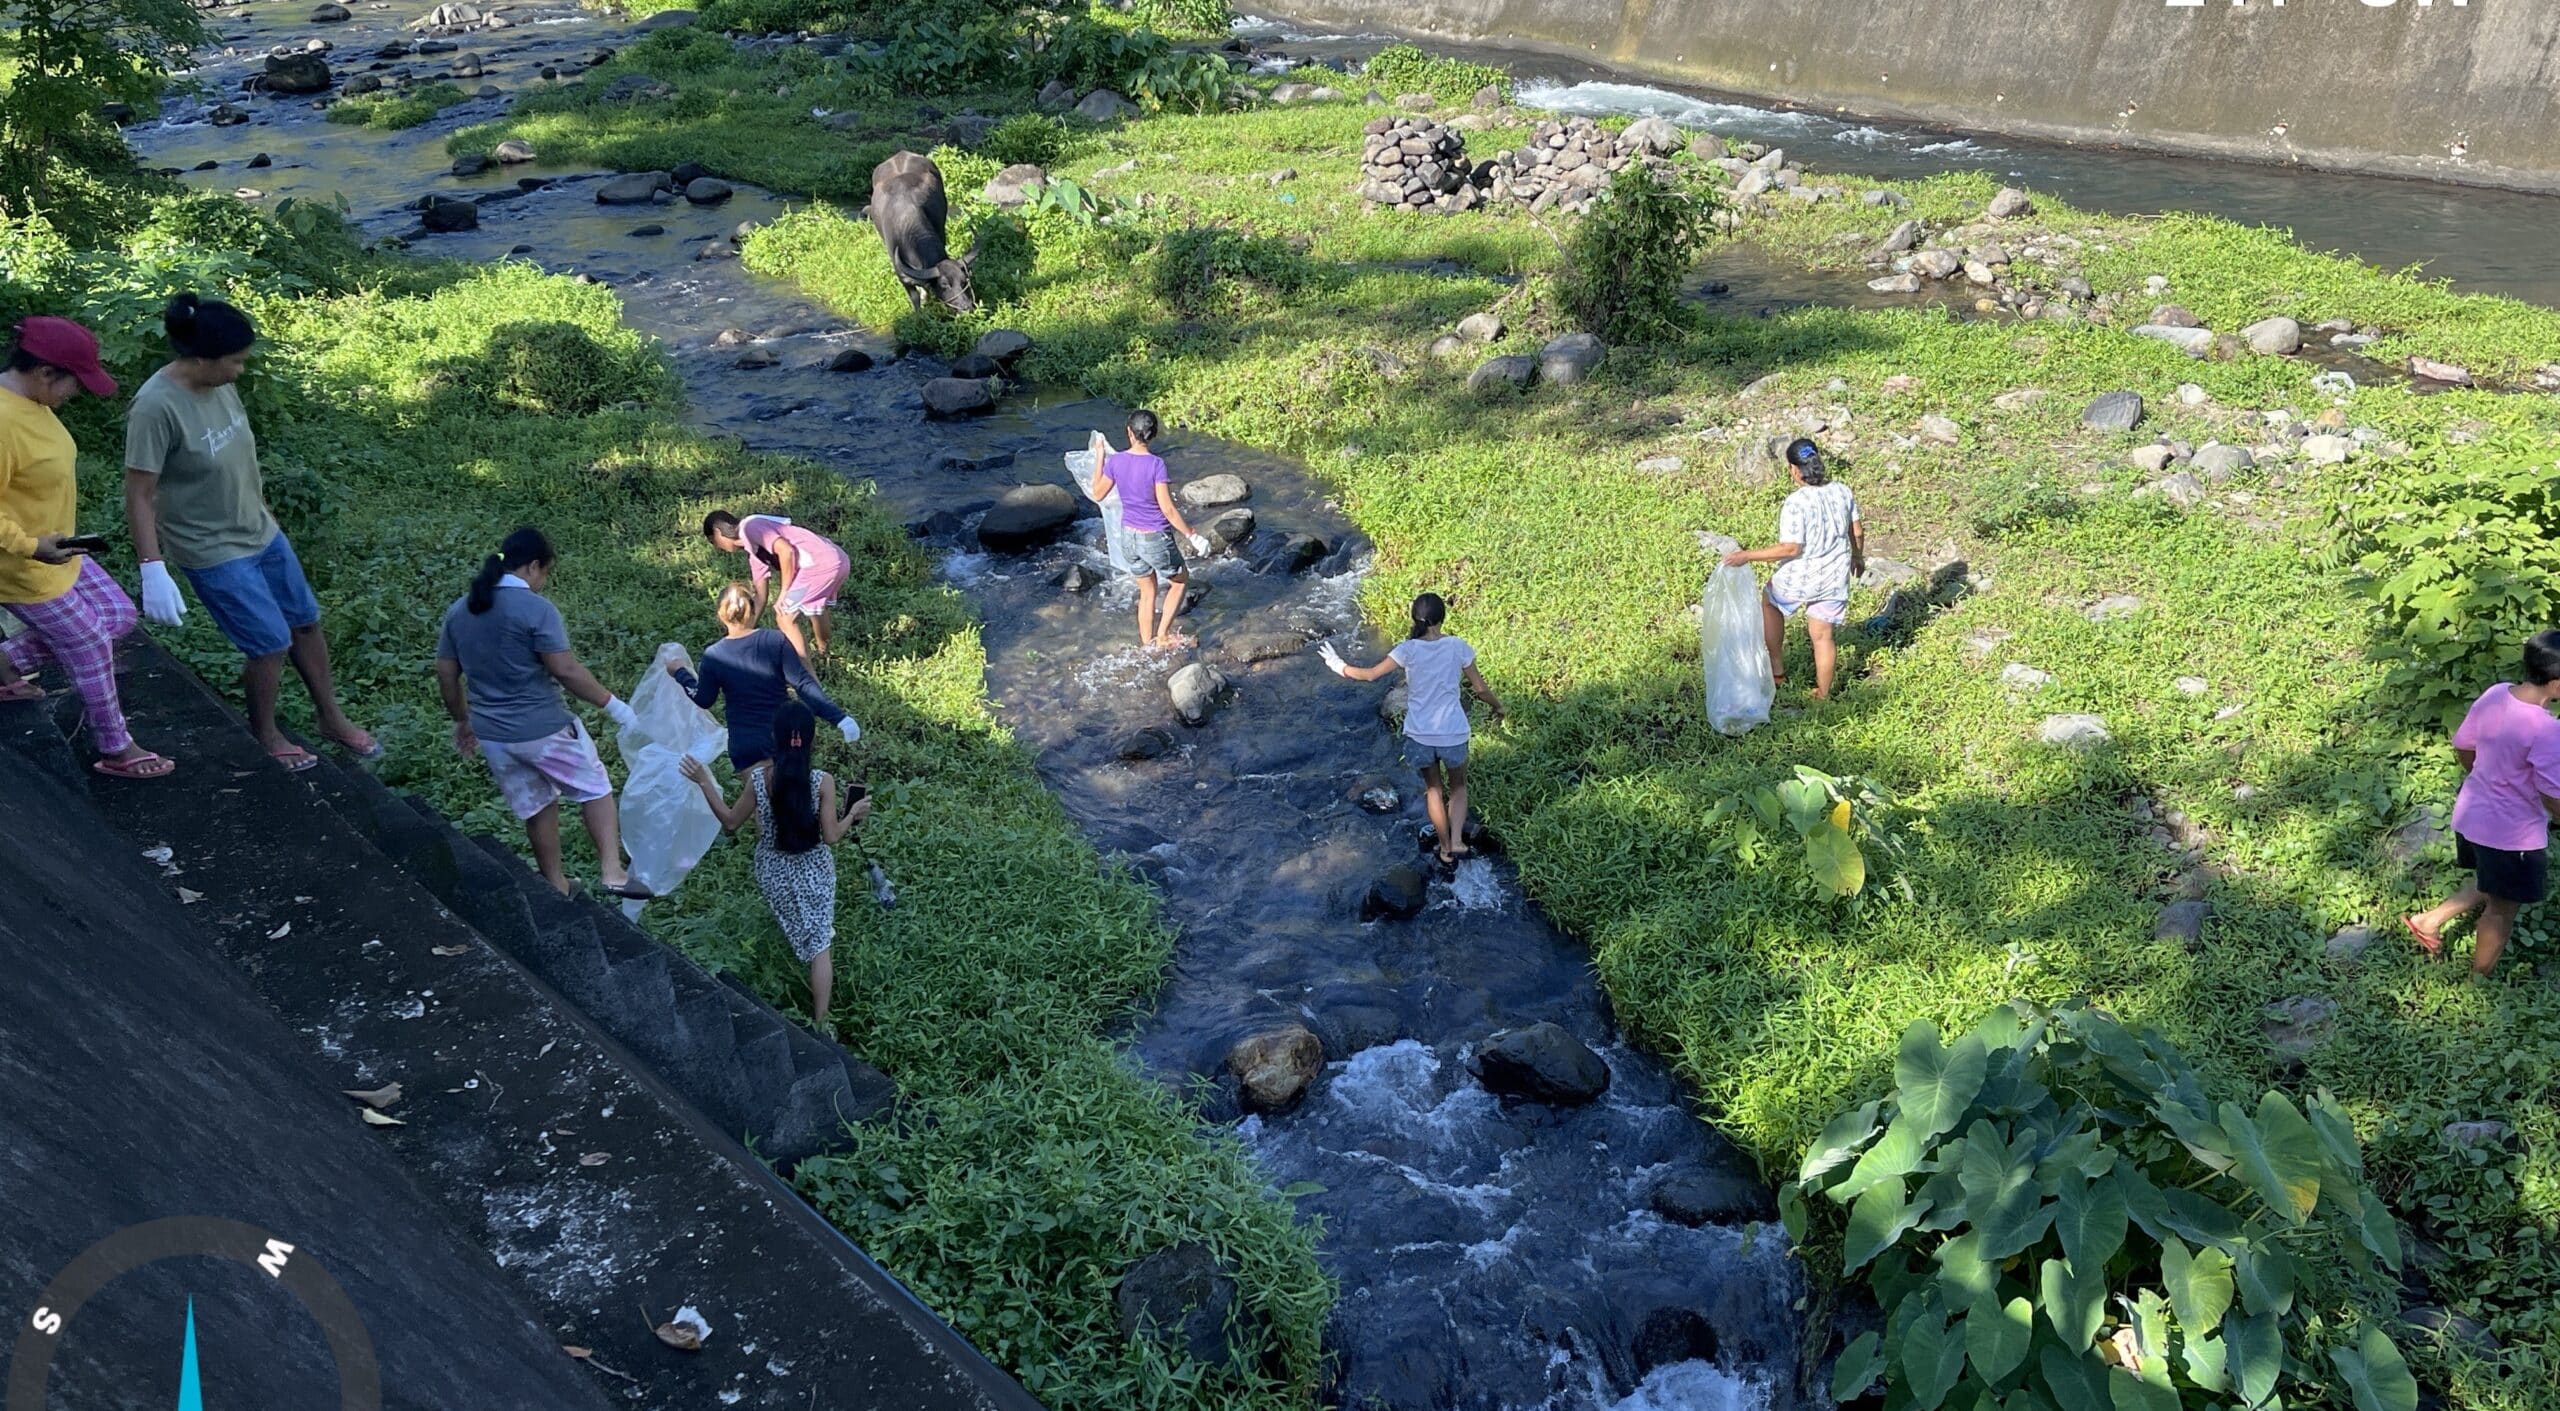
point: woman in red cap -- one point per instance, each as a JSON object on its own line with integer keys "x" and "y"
{"x": 73, "y": 611}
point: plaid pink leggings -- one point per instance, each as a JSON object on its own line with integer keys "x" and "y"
{"x": 78, "y": 631}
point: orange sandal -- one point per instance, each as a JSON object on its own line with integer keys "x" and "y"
{"x": 2432, "y": 944}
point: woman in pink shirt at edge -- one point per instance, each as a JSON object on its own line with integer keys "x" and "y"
{"x": 2509, "y": 746}
{"x": 812, "y": 568}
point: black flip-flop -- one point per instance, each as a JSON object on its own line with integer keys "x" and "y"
{"x": 628, "y": 891}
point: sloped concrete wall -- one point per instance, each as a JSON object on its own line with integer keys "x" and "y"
{"x": 2464, "y": 94}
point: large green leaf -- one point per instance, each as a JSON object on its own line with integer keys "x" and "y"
{"x": 1839, "y": 1143}
{"x": 2278, "y": 1154}
{"x": 1896, "y": 1154}
{"x": 2380, "y": 1233}
{"x": 2074, "y": 1303}
{"x": 1861, "y": 1362}
{"x": 2337, "y": 1135}
{"x": 2199, "y": 1285}
{"x": 2253, "y": 1351}
{"x": 1962, "y": 1272}
{"x": 2001, "y": 1196}
{"x": 1936, "y": 1083}
{"x": 1996, "y": 1336}
{"x": 1932, "y": 1360}
{"x": 1791, "y": 1211}
{"x": 2077, "y": 1380}
{"x": 1880, "y": 1218}
{"x": 2131, "y": 1393}
{"x": 1837, "y": 865}
{"x": 2375, "y": 1374}
{"x": 2200, "y": 1219}
{"x": 2266, "y": 1276}
{"x": 2204, "y": 1359}
{"x": 2090, "y": 1217}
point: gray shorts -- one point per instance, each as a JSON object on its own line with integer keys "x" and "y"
{"x": 1418, "y": 755}
{"x": 1155, "y": 553}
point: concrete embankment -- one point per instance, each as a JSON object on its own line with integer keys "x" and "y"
{"x": 2466, "y": 93}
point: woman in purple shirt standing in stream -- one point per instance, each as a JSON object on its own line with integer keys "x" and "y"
{"x": 2509, "y": 746}
{"x": 1147, "y": 511}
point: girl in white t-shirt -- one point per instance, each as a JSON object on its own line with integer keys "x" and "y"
{"x": 1436, "y": 665}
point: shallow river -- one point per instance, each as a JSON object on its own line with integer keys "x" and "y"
{"x": 1490, "y": 1255}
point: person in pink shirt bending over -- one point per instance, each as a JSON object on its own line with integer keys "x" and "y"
{"x": 2509, "y": 746}
{"x": 812, "y": 568}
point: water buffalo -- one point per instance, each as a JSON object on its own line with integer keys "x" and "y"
{"x": 909, "y": 210}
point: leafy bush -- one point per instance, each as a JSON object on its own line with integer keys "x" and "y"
{"x": 2088, "y": 1230}
{"x": 1626, "y": 261}
{"x": 1183, "y": 16}
{"x": 2455, "y": 554}
{"x": 1850, "y": 831}
{"x": 557, "y": 368}
{"x": 936, "y": 58}
{"x": 67, "y": 60}
{"x": 391, "y": 112}
{"x": 1200, "y": 270}
{"x": 1025, "y": 137}
{"x": 1403, "y": 68}
{"x": 1183, "y": 80}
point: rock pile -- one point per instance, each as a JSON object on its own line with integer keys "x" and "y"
{"x": 1564, "y": 164}
{"x": 1417, "y": 163}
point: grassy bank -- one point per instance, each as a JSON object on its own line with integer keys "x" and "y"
{"x": 1273, "y": 309}
{"x": 410, "y": 414}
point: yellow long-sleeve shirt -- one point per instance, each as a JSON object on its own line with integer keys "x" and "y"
{"x": 39, "y": 494}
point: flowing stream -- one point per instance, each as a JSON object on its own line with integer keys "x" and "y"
{"x": 1492, "y": 1256}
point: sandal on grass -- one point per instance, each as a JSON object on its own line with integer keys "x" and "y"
{"x": 294, "y": 758}
{"x": 142, "y": 766}
{"x": 627, "y": 890}
{"x": 359, "y": 743}
{"x": 2430, "y": 942}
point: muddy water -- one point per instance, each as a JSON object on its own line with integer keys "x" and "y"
{"x": 1490, "y": 1256}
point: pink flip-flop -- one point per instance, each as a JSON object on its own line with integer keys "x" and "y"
{"x": 2433, "y": 945}
{"x": 141, "y": 766}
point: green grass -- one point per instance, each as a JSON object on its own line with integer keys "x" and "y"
{"x": 1571, "y": 572}
{"x": 390, "y": 111}
{"x": 409, "y": 414}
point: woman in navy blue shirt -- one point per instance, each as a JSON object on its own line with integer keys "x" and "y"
{"x": 758, "y": 669}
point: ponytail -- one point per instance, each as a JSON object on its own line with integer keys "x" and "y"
{"x": 526, "y": 545}
{"x": 787, "y": 782}
{"x": 1429, "y": 611}
{"x": 206, "y": 328}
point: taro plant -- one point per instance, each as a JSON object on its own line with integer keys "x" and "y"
{"x": 2053, "y": 1215}
{"x": 1848, "y": 831}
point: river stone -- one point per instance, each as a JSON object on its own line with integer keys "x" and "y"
{"x": 1377, "y": 795}
{"x": 2273, "y": 336}
{"x": 1005, "y": 345}
{"x": 2182, "y": 921}
{"x": 755, "y": 358}
{"x": 1669, "y": 1336}
{"x": 1942, "y": 430}
{"x": 850, "y": 360}
{"x": 1935, "y": 264}
{"x": 1026, "y": 517}
{"x": 1253, "y": 648}
{"x": 1138, "y": 746}
{"x": 2181, "y": 489}
{"x": 2019, "y": 399}
{"x": 1513, "y": 371}
{"x": 515, "y": 151}
{"x": 1197, "y": 690}
{"x": 2475, "y": 1134}
{"x": 2153, "y": 458}
{"x": 2111, "y": 607}
{"x": 707, "y": 191}
{"x": 1273, "y": 1068}
{"x": 2296, "y": 1026}
{"x": 2194, "y": 342}
{"x": 447, "y": 46}
{"x": 2348, "y": 943}
{"x": 468, "y": 66}
{"x": 2022, "y": 679}
{"x": 360, "y": 85}
{"x": 1228, "y": 529}
{"x": 1567, "y": 360}
{"x": 1180, "y": 1298}
{"x": 2009, "y": 203}
{"x": 330, "y": 14}
{"x": 1759, "y": 460}
{"x": 1661, "y": 465}
{"x": 2073, "y": 731}
{"x": 1903, "y": 237}
{"x": 1398, "y": 893}
{"x": 2217, "y": 464}
{"x": 1896, "y": 284}
{"x": 2411, "y": 840}
{"x": 2328, "y": 450}
{"x": 974, "y": 368}
{"x": 1103, "y": 105}
{"x": 2114, "y": 411}
{"x": 1695, "y": 1198}
{"x": 946, "y": 397}
{"x": 297, "y": 73}
{"x": 1016, "y": 186}
{"x": 445, "y": 216}
{"x": 1654, "y": 137}
{"x": 2434, "y": 371}
{"x": 1483, "y": 327}
{"x": 1211, "y": 491}
{"x": 1294, "y": 553}
{"x": 1391, "y": 705}
{"x": 1540, "y": 1063}
{"x": 631, "y": 188}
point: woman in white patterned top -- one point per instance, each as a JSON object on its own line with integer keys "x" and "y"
{"x": 1821, "y": 547}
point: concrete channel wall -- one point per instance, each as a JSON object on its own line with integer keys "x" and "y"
{"x": 2467, "y": 93}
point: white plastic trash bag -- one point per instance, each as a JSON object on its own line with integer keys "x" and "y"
{"x": 1081, "y": 466}
{"x": 1731, "y": 648}
{"x": 667, "y": 827}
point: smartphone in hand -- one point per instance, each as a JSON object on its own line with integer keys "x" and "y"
{"x": 85, "y": 544}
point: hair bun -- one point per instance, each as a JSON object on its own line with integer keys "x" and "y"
{"x": 181, "y": 312}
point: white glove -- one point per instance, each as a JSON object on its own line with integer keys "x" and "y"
{"x": 619, "y": 711}
{"x": 1332, "y": 658}
{"x": 847, "y": 728}
{"x": 160, "y": 599}
{"x": 1199, "y": 546}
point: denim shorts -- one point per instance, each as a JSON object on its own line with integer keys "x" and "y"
{"x": 259, "y": 600}
{"x": 1154, "y": 553}
{"x": 1418, "y": 755}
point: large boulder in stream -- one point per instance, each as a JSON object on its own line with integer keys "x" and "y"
{"x": 1273, "y": 1068}
{"x": 1699, "y": 1197}
{"x": 1005, "y": 346}
{"x": 946, "y": 397}
{"x": 1197, "y": 690}
{"x": 1567, "y": 360}
{"x": 1180, "y": 1298}
{"x": 1213, "y": 491}
{"x": 1397, "y": 894}
{"x": 1541, "y": 1063}
{"x": 637, "y": 188}
{"x": 298, "y": 73}
{"x": 444, "y": 215}
{"x": 1026, "y": 517}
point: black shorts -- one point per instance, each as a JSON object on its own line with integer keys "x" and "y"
{"x": 2508, "y": 876}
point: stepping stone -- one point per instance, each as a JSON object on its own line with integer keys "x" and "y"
{"x": 2296, "y": 1027}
